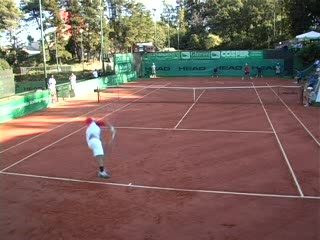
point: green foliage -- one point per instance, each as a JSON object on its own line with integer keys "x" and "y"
{"x": 302, "y": 15}
{"x": 211, "y": 41}
{"x": 309, "y": 53}
{"x": 4, "y": 64}
{"x": 64, "y": 56}
{"x": 198, "y": 25}
{"x": 9, "y": 15}
{"x": 194, "y": 42}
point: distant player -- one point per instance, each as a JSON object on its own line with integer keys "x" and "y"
{"x": 215, "y": 72}
{"x": 95, "y": 143}
{"x": 299, "y": 77}
{"x": 278, "y": 70}
{"x": 259, "y": 71}
{"x": 246, "y": 72}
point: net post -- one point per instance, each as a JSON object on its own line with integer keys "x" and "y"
{"x": 98, "y": 94}
{"x": 301, "y": 95}
{"x": 194, "y": 95}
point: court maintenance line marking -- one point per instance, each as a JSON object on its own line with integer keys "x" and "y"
{"x": 280, "y": 145}
{"x": 69, "y": 121}
{"x": 305, "y": 128}
{"x": 130, "y": 185}
{"x": 195, "y": 130}
{"x": 74, "y": 132}
{"x": 188, "y": 110}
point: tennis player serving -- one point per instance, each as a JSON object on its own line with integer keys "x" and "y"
{"x": 94, "y": 142}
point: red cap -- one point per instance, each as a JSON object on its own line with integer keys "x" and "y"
{"x": 88, "y": 121}
{"x": 100, "y": 123}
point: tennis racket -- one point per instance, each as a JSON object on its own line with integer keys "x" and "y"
{"x": 113, "y": 134}
{"x": 112, "y": 138}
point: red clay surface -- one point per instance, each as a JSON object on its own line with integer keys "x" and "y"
{"x": 208, "y": 171}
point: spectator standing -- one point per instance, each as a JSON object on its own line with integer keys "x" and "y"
{"x": 52, "y": 88}
{"x": 153, "y": 71}
{"x": 73, "y": 82}
{"x": 310, "y": 96}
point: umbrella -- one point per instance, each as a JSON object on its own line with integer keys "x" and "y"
{"x": 309, "y": 35}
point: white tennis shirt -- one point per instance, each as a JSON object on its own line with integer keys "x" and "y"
{"x": 52, "y": 83}
{"x": 93, "y": 130}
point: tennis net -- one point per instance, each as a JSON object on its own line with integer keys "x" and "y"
{"x": 235, "y": 95}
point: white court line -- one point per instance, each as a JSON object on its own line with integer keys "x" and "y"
{"x": 188, "y": 110}
{"x": 74, "y": 132}
{"x": 195, "y": 130}
{"x": 280, "y": 145}
{"x": 71, "y": 120}
{"x": 67, "y": 122}
{"x": 301, "y": 123}
{"x": 130, "y": 185}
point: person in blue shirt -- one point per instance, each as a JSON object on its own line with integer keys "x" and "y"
{"x": 313, "y": 80}
{"x": 299, "y": 76}
{"x": 259, "y": 71}
{"x": 310, "y": 96}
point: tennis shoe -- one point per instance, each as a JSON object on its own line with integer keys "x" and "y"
{"x": 103, "y": 174}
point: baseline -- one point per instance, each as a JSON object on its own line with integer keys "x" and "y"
{"x": 131, "y": 185}
{"x": 196, "y": 130}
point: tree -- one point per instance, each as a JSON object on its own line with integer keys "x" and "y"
{"x": 9, "y": 15}
{"x": 51, "y": 20}
{"x": 131, "y": 24}
{"x": 302, "y": 15}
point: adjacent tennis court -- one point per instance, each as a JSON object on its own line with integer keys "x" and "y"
{"x": 194, "y": 158}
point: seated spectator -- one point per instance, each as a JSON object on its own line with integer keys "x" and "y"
{"x": 310, "y": 96}
{"x": 313, "y": 79}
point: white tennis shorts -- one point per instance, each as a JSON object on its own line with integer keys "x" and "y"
{"x": 96, "y": 146}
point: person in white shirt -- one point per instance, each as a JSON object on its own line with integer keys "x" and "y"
{"x": 73, "y": 81}
{"x": 94, "y": 142}
{"x": 95, "y": 73}
{"x": 153, "y": 70}
{"x": 52, "y": 88}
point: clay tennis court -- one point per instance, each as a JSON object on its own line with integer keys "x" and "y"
{"x": 229, "y": 166}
